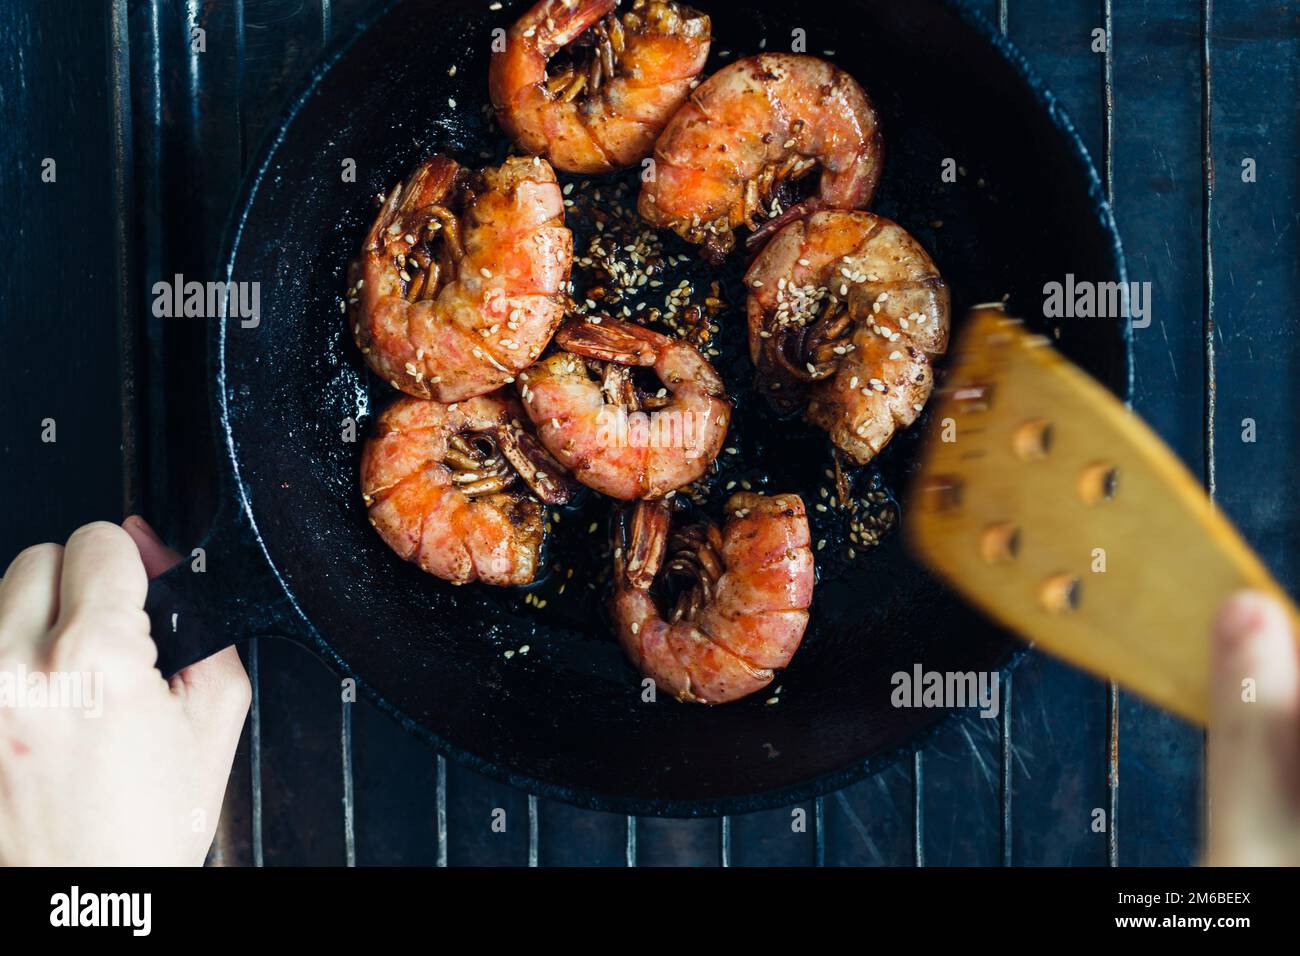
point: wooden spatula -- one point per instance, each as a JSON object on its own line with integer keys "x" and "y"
{"x": 1052, "y": 507}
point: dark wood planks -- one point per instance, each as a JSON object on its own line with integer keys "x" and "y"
{"x": 301, "y": 764}
{"x": 56, "y": 318}
{"x": 488, "y": 823}
{"x": 1056, "y": 742}
{"x": 663, "y": 842}
{"x": 1157, "y": 181}
{"x": 872, "y": 823}
{"x": 569, "y": 836}
{"x": 785, "y": 837}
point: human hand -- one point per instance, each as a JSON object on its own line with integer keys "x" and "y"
{"x": 128, "y": 769}
{"x": 1253, "y": 758}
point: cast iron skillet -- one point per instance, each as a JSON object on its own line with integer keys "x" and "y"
{"x": 291, "y": 553}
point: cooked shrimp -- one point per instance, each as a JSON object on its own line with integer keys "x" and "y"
{"x": 459, "y": 489}
{"x": 613, "y": 436}
{"x": 602, "y": 112}
{"x": 462, "y": 279}
{"x": 846, "y": 313}
{"x": 743, "y": 611}
{"x": 752, "y": 127}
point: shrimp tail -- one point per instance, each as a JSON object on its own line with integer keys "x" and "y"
{"x": 611, "y": 341}
{"x": 643, "y": 542}
{"x": 430, "y": 185}
{"x": 538, "y": 469}
{"x": 558, "y": 25}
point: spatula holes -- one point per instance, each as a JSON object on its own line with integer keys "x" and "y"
{"x": 1000, "y": 542}
{"x": 1098, "y": 482}
{"x": 942, "y": 493}
{"x": 975, "y": 397}
{"x": 1060, "y": 593}
{"x": 1033, "y": 439}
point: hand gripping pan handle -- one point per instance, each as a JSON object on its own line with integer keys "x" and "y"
{"x": 221, "y": 594}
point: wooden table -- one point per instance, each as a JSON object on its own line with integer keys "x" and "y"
{"x": 150, "y": 139}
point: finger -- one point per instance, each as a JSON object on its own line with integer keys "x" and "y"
{"x": 101, "y": 571}
{"x": 1254, "y": 741}
{"x": 157, "y": 557}
{"x": 101, "y": 622}
{"x": 29, "y": 598}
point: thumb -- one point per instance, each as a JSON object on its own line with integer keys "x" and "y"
{"x": 157, "y": 557}
{"x": 1254, "y": 739}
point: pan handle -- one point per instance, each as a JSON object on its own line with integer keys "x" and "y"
{"x": 223, "y": 592}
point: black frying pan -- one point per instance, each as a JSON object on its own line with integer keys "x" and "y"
{"x": 291, "y": 553}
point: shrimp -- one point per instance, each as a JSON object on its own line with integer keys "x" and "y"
{"x": 463, "y": 279}
{"x": 599, "y": 113}
{"x": 754, "y": 126}
{"x": 613, "y": 436}
{"x": 846, "y": 313}
{"x": 744, "y": 609}
{"x": 459, "y": 489}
